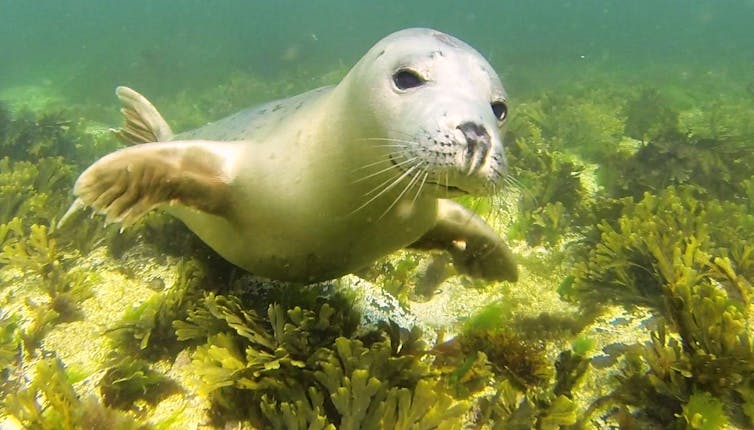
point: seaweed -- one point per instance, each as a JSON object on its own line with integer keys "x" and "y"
{"x": 504, "y": 406}
{"x": 487, "y": 350}
{"x": 396, "y": 274}
{"x": 38, "y": 254}
{"x": 38, "y": 193}
{"x": 35, "y": 192}
{"x": 30, "y": 136}
{"x": 50, "y": 402}
{"x": 672, "y": 252}
{"x": 129, "y": 379}
{"x": 60, "y": 288}
{"x": 5, "y": 121}
{"x": 519, "y": 359}
{"x": 509, "y": 376}
{"x": 650, "y": 116}
{"x": 11, "y": 349}
{"x": 707, "y": 147}
{"x": 146, "y": 330}
{"x": 553, "y": 198}
{"x": 704, "y": 412}
{"x": 717, "y": 166}
{"x": 13, "y": 229}
{"x": 590, "y": 125}
{"x": 633, "y": 260}
{"x": 305, "y": 368}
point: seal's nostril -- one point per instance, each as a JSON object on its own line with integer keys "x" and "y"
{"x": 477, "y": 144}
{"x": 473, "y": 130}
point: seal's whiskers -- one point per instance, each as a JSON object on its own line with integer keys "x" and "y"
{"x": 366, "y": 166}
{"x": 405, "y": 142}
{"x": 383, "y": 184}
{"x": 386, "y": 169}
{"x": 408, "y": 186}
{"x": 421, "y": 185}
{"x": 388, "y": 159}
{"x": 390, "y": 186}
{"x": 520, "y": 187}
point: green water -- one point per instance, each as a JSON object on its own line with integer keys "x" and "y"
{"x": 630, "y": 209}
{"x": 87, "y": 47}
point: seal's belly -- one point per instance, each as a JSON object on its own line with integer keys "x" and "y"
{"x": 292, "y": 250}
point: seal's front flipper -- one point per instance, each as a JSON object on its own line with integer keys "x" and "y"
{"x": 476, "y": 248}
{"x": 127, "y": 183}
{"x": 143, "y": 122}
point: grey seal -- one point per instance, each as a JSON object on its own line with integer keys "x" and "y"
{"x": 321, "y": 184}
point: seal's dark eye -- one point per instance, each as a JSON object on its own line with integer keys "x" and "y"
{"x": 500, "y": 109}
{"x": 405, "y": 79}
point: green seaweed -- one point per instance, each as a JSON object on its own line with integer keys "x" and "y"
{"x": 30, "y": 136}
{"x": 590, "y": 125}
{"x": 130, "y": 379}
{"x": 305, "y": 368}
{"x": 510, "y": 408}
{"x": 704, "y": 412}
{"x": 650, "y": 116}
{"x": 50, "y": 402}
{"x": 39, "y": 257}
{"x": 672, "y": 252}
{"x": 707, "y": 146}
{"x": 146, "y": 330}
{"x": 12, "y": 230}
{"x": 38, "y": 254}
{"x": 714, "y": 165}
{"x": 35, "y": 191}
{"x": 397, "y": 274}
{"x": 508, "y": 352}
{"x": 636, "y": 255}
{"x": 520, "y": 359}
{"x": 712, "y": 353}
{"x": 553, "y": 198}
{"x": 9, "y": 342}
{"x": 510, "y": 376}
{"x": 5, "y": 121}
{"x": 11, "y": 351}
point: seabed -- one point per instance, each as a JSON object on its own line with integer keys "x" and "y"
{"x": 632, "y": 215}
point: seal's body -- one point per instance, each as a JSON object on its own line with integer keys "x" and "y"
{"x": 321, "y": 184}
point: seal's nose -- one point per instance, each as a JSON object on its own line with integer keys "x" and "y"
{"x": 477, "y": 144}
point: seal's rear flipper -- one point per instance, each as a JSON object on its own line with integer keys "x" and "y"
{"x": 128, "y": 183}
{"x": 143, "y": 122}
{"x": 476, "y": 248}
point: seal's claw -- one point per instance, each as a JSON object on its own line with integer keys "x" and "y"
{"x": 77, "y": 206}
{"x": 128, "y": 183}
{"x": 110, "y": 189}
{"x": 476, "y": 248}
{"x": 491, "y": 261}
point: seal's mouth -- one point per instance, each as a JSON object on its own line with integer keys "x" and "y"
{"x": 449, "y": 190}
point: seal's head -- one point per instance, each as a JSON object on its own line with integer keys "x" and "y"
{"x": 436, "y": 108}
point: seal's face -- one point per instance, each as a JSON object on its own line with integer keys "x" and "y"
{"x": 438, "y": 107}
